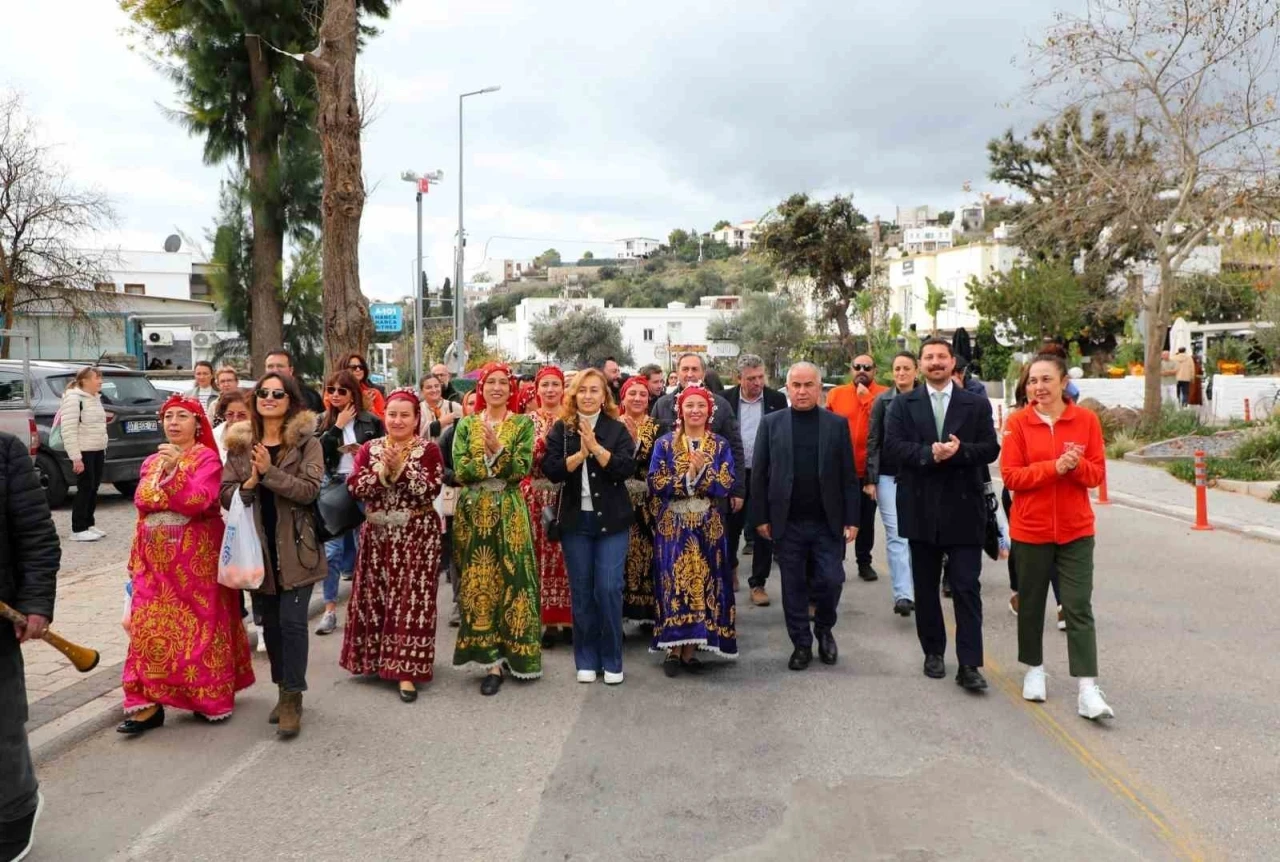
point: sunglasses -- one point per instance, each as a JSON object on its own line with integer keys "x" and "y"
{"x": 858, "y": 366}
{"x": 337, "y": 390}
{"x": 355, "y": 368}
{"x": 272, "y": 394}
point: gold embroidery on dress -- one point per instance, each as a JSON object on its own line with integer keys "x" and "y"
{"x": 481, "y": 587}
{"x": 691, "y": 573}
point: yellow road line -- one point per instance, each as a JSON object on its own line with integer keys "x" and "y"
{"x": 1179, "y": 838}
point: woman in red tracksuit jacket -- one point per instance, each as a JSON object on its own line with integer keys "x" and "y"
{"x": 1051, "y": 456}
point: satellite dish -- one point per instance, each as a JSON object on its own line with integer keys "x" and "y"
{"x": 1006, "y": 335}
{"x": 172, "y": 243}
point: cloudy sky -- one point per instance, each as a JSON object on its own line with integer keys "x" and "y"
{"x": 614, "y": 119}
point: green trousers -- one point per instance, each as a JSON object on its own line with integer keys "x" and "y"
{"x": 1074, "y": 563}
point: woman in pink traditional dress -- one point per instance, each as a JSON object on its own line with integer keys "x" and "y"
{"x": 540, "y": 492}
{"x": 187, "y": 645}
{"x": 391, "y": 621}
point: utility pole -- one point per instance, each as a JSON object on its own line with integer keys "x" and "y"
{"x": 459, "y": 358}
{"x": 423, "y": 182}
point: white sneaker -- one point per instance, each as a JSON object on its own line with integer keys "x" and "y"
{"x": 1033, "y": 685}
{"x": 328, "y": 622}
{"x": 85, "y": 536}
{"x": 1062, "y": 621}
{"x": 262, "y": 641}
{"x": 31, "y": 835}
{"x": 612, "y": 678}
{"x": 586, "y": 676}
{"x": 95, "y": 530}
{"x": 1092, "y": 705}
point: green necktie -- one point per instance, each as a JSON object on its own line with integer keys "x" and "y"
{"x": 939, "y": 412}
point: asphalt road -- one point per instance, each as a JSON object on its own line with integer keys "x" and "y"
{"x": 866, "y": 760}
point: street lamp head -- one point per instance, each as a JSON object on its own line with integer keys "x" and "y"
{"x": 493, "y": 89}
{"x": 409, "y": 176}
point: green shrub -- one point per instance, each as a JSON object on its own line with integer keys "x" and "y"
{"x": 1173, "y": 422}
{"x": 1122, "y": 444}
{"x": 1261, "y": 446}
{"x": 1223, "y": 468}
{"x": 1275, "y": 496}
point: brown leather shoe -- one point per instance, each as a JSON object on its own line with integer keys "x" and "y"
{"x": 274, "y": 717}
{"x": 759, "y": 597}
{"x": 737, "y": 587}
{"x": 1013, "y": 604}
{"x": 290, "y": 714}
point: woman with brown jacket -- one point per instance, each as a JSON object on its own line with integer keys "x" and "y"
{"x": 276, "y": 464}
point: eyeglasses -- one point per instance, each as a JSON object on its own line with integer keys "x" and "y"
{"x": 272, "y": 394}
{"x": 336, "y": 390}
{"x": 858, "y": 366}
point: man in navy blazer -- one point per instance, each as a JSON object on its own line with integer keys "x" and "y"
{"x": 804, "y": 497}
{"x": 942, "y": 438}
{"x": 751, "y": 400}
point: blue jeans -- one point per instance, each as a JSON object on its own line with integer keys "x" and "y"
{"x": 898, "y": 550}
{"x": 595, "y": 563}
{"x": 341, "y": 553}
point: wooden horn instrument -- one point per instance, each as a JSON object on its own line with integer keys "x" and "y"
{"x": 82, "y": 657}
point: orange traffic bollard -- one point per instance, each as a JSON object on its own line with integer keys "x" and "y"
{"x": 1202, "y": 494}
{"x": 1103, "y": 499}
{"x": 1247, "y": 416}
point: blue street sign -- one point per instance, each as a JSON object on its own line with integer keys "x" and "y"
{"x": 387, "y": 317}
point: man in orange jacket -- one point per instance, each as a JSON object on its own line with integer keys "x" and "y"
{"x": 853, "y": 401}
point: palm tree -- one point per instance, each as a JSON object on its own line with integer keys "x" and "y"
{"x": 935, "y": 301}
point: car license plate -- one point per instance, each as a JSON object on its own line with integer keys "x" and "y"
{"x": 141, "y": 426}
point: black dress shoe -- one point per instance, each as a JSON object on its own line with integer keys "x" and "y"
{"x": 934, "y": 667}
{"x": 800, "y": 658}
{"x": 867, "y": 573}
{"x": 970, "y": 678}
{"x": 692, "y": 665}
{"x": 904, "y": 607}
{"x": 548, "y": 639}
{"x": 671, "y": 666}
{"x": 408, "y": 695}
{"x": 946, "y": 588}
{"x": 828, "y": 652}
{"x": 748, "y": 550}
{"x": 492, "y": 682}
{"x": 133, "y": 727}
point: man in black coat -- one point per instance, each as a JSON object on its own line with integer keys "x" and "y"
{"x": 751, "y": 400}
{"x": 29, "y": 560}
{"x": 804, "y": 497}
{"x": 942, "y": 438}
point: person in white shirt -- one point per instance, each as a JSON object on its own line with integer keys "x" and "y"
{"x": 438, "y": 413}
{"x": 204, "y": 391}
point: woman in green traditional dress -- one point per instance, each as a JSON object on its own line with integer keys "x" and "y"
{"x": 501, "y": 620}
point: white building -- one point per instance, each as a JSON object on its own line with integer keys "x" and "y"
{"x": 651, "y": 334}
{"x": 908, "y": 217}
{"x": 161, "y": 274}
{"x": 505, "y": 269}
{"x": 949, "y": 270}
{"x": 739, "y": 236}
{"x": 630, "y": 248}
{"x": 921, "y": 239}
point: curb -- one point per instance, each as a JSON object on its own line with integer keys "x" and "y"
{"x": 1188, "y": 514}
{"x": 65, "y": 732}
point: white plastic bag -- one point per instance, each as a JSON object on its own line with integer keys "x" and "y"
{"x": 240, "y": 562}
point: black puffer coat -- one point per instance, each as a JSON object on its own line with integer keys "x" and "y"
{"x": 29, "y": 549}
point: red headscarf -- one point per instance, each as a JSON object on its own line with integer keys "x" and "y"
{"x": 204, "y": 431}
{"x": 496, "y": 368}
{"x": 545, "y": 371}
{"x": 527, "y": 394}
{"x": 699, "y": 392}
{"x": 631, "y": 383}
{"x": 407, "y": 395}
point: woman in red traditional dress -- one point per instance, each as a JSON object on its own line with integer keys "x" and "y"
{"x": 540, "y": 492}
{"x": 187, "y": 645}
{"x": 391, "y": 620}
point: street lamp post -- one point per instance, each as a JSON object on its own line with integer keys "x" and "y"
{"x": 459, "y": 293}
{"x": 423, "y": 182}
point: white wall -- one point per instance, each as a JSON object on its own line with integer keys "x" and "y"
{"x": 949, "y": 269}
{"x": 1120, "y": 392}
{"x": 162, "y": 274}
{"x": 1230, "y": 391}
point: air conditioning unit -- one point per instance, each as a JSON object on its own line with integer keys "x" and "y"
{"x": 157, "y": 336}
{"x": 205, "y": 340}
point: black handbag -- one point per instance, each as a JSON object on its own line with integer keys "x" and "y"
{"x": 336, "y": 511}
{"x": 551, "y": 514}
{"x": 991, "y": 541}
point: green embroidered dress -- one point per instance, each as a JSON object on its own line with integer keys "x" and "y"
{"x": 493, "y": 544}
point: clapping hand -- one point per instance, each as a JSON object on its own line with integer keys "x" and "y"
{"x": 588, "y": 435}
{"x": 698, "y": 460}
{"x": 1068, "y": 461}
{"x": 943, "y": 451}
{"x": 261, "y": 459}
{"x": 491, "y": 444}
{"x": 392, "y": 461}
{"x": 633, "y": 427}
{"x": 169, "y": 455}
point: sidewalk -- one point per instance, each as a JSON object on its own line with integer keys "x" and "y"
{"x": 1153, "y": 489}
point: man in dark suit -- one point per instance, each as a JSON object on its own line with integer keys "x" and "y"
{"x": 942, "y": 437}
{"x": 751, "y": 400}
{"x": 804, "y": 496}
